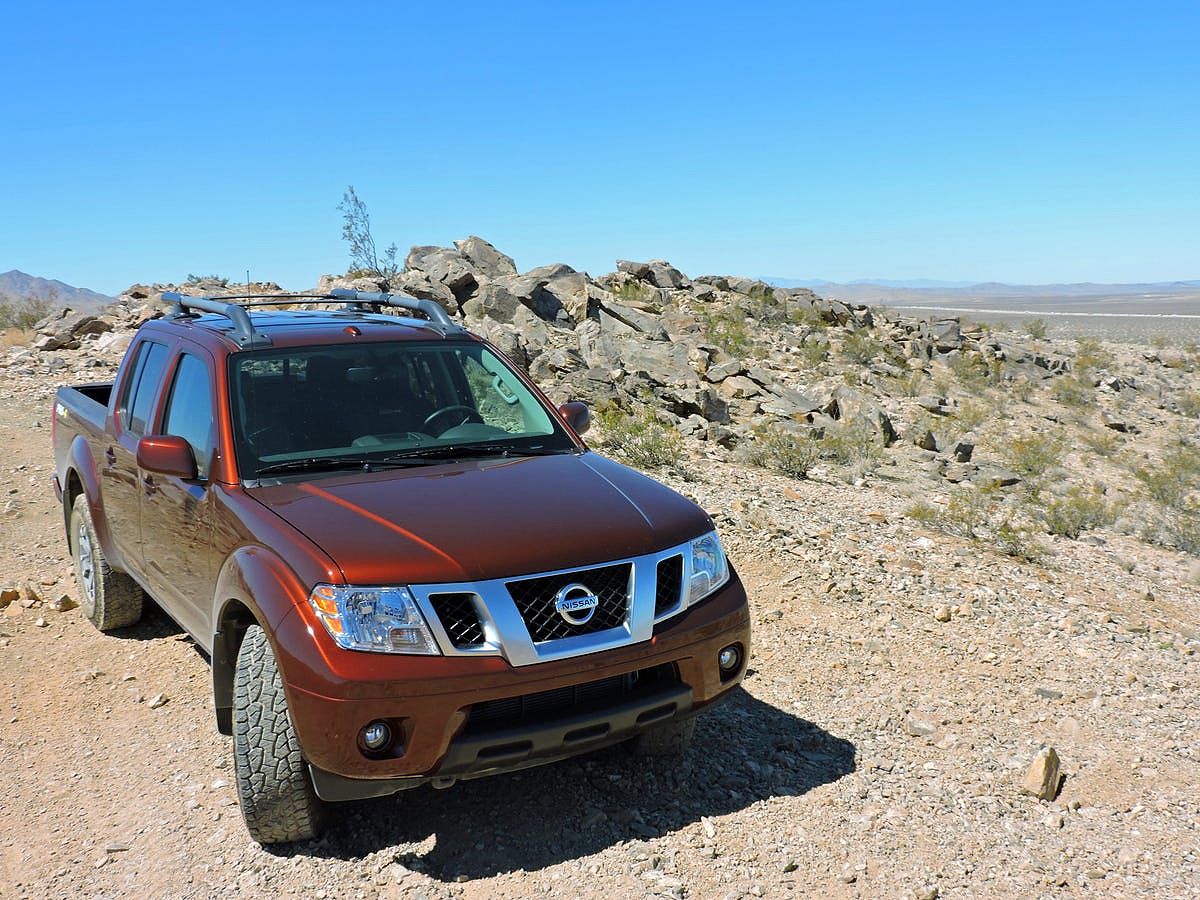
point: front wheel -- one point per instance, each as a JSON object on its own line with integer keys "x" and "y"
{"x": 110, "y": 599}
{"x": 273, "y": 783}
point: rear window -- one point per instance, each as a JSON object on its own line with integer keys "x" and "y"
{"x": 140, "y": 390}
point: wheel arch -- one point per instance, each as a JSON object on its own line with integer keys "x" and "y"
{"x": 255, "y": 587}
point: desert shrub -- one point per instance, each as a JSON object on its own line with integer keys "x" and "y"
{"x": 767, "y": 307}
{"x": 863, "y": 348}
{"x": 200, "y": 279}
{"x": 1032, "y": 455}
{"x": 1021, "y": 388}
{"x": 971, "y": 414}
{"x": 974, "y": 372}
{"x": 784, "y": 451}
{"x": 909, "y": 385}
{"x": 1173, "y": 480}
{"x": 1176, "y": 528}
{"x": 852, "y": 445}
{"x": 1159, "y": 341}
{"x": 1079, "y": 509}
{"x": 23, "y": 313}
{"x": 980, "y": 515}
{"x": 1090, "y": 355}
{"x": 1035, "y": 328}
{"x": 1188, "y": 403}
{"x": 1102, "y": 442}
{"x": 1073, "y": 391}
{"x": 634, "y": 293}
{"x": 814, "y": 351}
{"x": 356, "y": 232}
{"x": 638, "y": 438}
{"x": 806, "y": 316}
{"x": 727, "y": 329}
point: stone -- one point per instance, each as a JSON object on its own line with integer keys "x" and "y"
{"x": 485, "y": 257}
{"x": 8, "y": 595}
{"x": 918, "y": 727}
{"x": 1043, "y": 778}
{"x": 1116, "y": 424}
{"x": 63, "y": 603}
{"x": 158, "y": 700}
{"x": 962, "y": 451}
{"x": 942, "y": 613}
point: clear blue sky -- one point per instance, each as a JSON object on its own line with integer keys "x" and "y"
{"x": 1010, "y": 141}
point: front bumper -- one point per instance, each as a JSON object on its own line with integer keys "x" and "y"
{"x": 428, "y": 701}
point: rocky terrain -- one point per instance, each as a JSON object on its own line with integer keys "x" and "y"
{"x": 963, "y": 547}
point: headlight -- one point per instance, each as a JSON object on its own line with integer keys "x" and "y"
{"x": 382, "y": 619}
{"x": 709, "y": 567}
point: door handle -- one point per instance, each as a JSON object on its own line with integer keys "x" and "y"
{"x": 148, "y": 485}
{"x": 110, "y": 456}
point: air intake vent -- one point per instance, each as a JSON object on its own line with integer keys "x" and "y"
{"x": 669, "y": 585}
{"x": 459, "y": 618}
{"x": 535, "y": 598}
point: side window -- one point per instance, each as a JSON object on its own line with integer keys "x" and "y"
{"x": 190, "y": 410}
{"x": 142, "y": 387}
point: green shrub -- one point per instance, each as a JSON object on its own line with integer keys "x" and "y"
{"x": 784, "y": 451}
{"x": 634, "y": 293}
{"x": 1035, "y": 328}
{"x": 814, "y": 351}
{"x": 1031, "y": 456}
{"x": 1090, "y": 355}
{"x": 909, "y": 385}
{"x": 1102, "y": 442}
{"x": 1173, "y": 480}
{"x": 1073, "y": 391}
{"x": 860, "y": 347}
{"x": 979, "y": 515}
{"x": 1188, "y": 404}
{"x": 727, "y": 329}
{"x": 1081, "y": 508}
{"x": 638, "y": 438}
{"x": 25, "y": 312}
{"x": 852, "y": 445}
{"x": 970, "y": 415}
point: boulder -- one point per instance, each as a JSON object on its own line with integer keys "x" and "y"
{"x": 485, "y": 257}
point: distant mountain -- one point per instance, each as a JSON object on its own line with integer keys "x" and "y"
{"x": 876, "y": 282}
{"x": 21, "y": 286}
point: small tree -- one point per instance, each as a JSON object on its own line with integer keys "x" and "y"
{"x": 356, "y": 231}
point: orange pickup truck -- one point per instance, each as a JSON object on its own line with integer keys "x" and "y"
{"x": 405, "y": 565}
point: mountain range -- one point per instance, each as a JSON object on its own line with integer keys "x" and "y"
{"x": 19, "y": 285}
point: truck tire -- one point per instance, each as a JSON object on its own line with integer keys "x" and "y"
{"x": 670, "y": 739}
{"x": 273, "y": 783}
{"x": 110, "y": 599}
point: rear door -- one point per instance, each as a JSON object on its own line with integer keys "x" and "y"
{"x": 120, "y": 485}
{"x": 181, "y": 563}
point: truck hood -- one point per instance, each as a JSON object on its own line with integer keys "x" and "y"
{"x": 480, "y": 519}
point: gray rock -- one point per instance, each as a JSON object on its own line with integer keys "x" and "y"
{"x": 485, "y": 257}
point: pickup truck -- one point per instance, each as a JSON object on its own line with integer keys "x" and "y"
{"x": 403, "y": 562}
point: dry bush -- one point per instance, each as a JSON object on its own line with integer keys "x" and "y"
{"x": 638, "y": 438}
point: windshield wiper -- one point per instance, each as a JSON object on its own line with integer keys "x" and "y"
{"x": 467, "y": 451}
{"x": 326, "y": 463}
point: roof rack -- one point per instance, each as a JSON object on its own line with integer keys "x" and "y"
{"x": 247, "y": 335}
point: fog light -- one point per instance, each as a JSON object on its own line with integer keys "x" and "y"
{"x": 376, "y": 736}
{"x": 729, "y": 658}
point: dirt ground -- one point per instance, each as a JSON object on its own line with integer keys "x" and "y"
{"x": 875, "y": 750}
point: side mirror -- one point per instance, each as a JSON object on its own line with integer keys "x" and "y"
{"x": 577, "y": 415}
{"x": 167, "y": 454}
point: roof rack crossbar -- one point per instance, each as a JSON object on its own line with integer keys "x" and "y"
{"x": 244, "y": 331}
{"x": 430, "y": 308}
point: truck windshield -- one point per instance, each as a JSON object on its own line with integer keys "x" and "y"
{"x": 380, "y": 402}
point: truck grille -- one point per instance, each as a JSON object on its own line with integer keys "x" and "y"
{"x": 561, "y": 703}
{"x": 535, "y": 599}
{"x": 459, "y": 618}
{"x": 669, "y": 584}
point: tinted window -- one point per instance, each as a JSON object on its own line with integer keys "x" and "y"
{"x": 190, "y": 410}
{"x": 144, "y": 386}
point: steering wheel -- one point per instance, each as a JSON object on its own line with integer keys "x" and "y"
{"x": 470, "y": 411}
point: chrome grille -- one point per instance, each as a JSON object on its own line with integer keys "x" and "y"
{"x": 534, "y": 598}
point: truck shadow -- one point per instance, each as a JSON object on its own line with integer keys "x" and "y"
{"x": 744, "y": 751}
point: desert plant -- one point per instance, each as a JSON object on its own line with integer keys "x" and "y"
{"x": 813, "y": 351}
{"x": 1188, "y": 403}
{"x": 1035, "y": 328}
{"x": 356, "y": 231}
{"x": 1074, "y": 391}
{"x": 22, "y": 313}
{"x": 1102, "y": 442}
{"x": 638, "y": 438}
{"x": 200, "y": 279}
{"x": 1077, "y": 510}
{"x": 971, "y": 414}
{"x": 727, "y": 329}
{"x": 1091, "y": 354}
{"x": 786, "y": 452}
{"x": 1173, "y": 480}
{"x": 1032, "y": 455}
{"x": 911, "y": 384}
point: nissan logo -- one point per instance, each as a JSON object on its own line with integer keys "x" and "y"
{"x": 576, "y": 604}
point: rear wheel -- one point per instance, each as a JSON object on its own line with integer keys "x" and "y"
{"x": 670, "y": 739}
{"x": 110, "y": 599}
{"x": 273, "y": 783}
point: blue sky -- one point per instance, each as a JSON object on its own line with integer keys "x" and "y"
{"x": 1004, "y": 141}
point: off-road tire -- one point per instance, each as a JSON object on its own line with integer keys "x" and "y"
{"x": 670, "y": 739}
{"x": 273, "y": 783}
{"x": 110, "y": 599}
